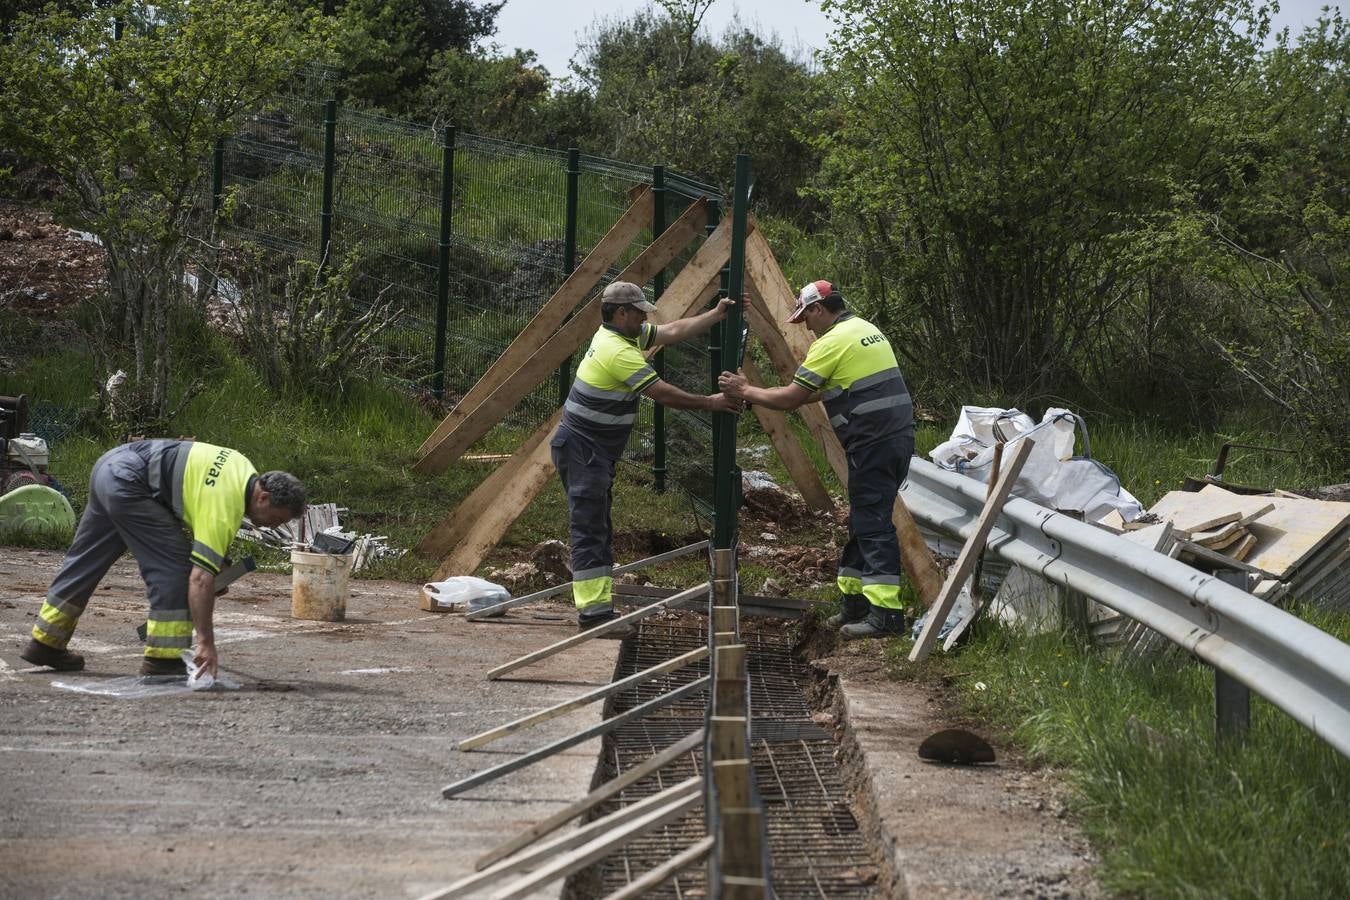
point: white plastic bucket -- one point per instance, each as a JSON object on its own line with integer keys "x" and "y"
{"x": 319, "y": 585}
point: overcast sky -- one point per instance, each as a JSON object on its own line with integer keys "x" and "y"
{"x": 554, "y": 28}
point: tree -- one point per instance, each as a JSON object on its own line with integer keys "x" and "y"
{"x": 1015, "y": 178}
{"x": 658, "y": 90}
{"x": 127, "y": 126}
{"x": 386, "y": 48}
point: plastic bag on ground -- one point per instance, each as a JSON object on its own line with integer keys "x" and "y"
{"x": 465, "y": 593}
{"x": 964, "y": 606}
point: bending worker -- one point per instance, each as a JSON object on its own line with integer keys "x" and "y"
{"x": 852, "y": 368}
{"x": 140, "y": 496}
{"x": 597, "y": 419}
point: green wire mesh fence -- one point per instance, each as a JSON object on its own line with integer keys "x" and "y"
{"x": 505, "y": 242}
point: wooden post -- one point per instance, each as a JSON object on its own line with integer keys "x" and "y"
{"x": 965, "y": 563}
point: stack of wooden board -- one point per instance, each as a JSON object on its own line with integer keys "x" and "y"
{"x": 1294, "y": 546}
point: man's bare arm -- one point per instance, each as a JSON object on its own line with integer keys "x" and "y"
{"x": 789, "y": 396}
{"x": 202, "y": 605}
{"x": 683, "y": 329}
{"x": 667, "y": 394}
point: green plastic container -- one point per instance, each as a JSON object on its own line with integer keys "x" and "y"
{"x": 36, "y": 511}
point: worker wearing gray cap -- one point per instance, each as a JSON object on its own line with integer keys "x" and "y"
{"x": 597, "y": 420}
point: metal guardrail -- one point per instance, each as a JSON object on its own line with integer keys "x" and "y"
{"x": 1300, "y": 669}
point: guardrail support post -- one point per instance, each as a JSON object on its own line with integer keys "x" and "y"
{"x": 1232, "y": 698}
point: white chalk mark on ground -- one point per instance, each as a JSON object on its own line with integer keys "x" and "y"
{"x": 6, "y": 673}
{"x": 375, "y": 671}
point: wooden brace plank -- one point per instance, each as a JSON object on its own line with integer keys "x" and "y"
{"x": 469, "y": 516}
{"x": 652, "y": 764}
{"x": 562, "y": 843}
{"x": 794, "y": 458}
{"x": 527, "y": 371}
{"x": 638, "y": 887}
{"x": 469, "y": 533}
{"x": 599, "y": 728}
{"x": 541, "y": 366}
{"x": 546, "y": 321}
{"x": 552, "y": 712}
{"x": 970, "y": 552}
{"x": 599, "y": 848}
{"x": 592, "y": 633}
{"x": 499, "y": 608}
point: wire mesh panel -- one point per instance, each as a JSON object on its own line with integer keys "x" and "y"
{"x": 506, "y": 258}
{"x": 817, "y": 847}
{"x": 273, "y": 170}
{"x": 386, "y": 213}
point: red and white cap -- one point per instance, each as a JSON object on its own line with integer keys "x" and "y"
{"x": 814, "y": 292}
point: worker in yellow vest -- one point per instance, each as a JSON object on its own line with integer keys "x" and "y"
{"x": 851, "y": 367}
{"x": 597, "y": 420}
{"x": 140, "y": 496}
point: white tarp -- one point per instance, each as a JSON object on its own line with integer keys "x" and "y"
{"x": 1052, "y": 476}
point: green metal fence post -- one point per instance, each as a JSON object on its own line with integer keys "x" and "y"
{"x": 569, "y": 254}
{"x": 659, "y": 361}
{"x": 329, "y": 164}
{"x": 726, "y": 476}
{"x": 443, "y": 262}
{"x": 217, "y": 176}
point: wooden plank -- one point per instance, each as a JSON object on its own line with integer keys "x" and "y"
{"x": 471, "y": 533}
{"x": 965, "y": 562}
{"x": 794, "y": 458}
{"x": 541, "y": 366}
{"x": 591, "y": 634}
{"x": 546, "y": 321}
{"x": 693, "y": 278}
{"x": 630, "y": 777}
{"x": 977, "y": 594}
{"x": 475, "y": 422}
{"x": 552, "y": 712}
{"x": 638, "y": 887}
{"x": 465, "y": 518}
{"x": 742, "y": 849}
{"x": 770, "y": 303}
{"x": 562, "y": 843}
{"x": 725, "y": 618}
{"x": 599, "y": 728}
{"x": 728, "y": 738}
{"x": 494, "y": 505}
{"x": 599, "y": 848}
{"x": 499, "y": 608}
{"x": 730, "y": 697}
{"x": 733, "y": 778}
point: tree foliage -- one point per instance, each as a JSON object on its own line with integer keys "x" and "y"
{"x": 658, "y": 90}
{"x": 386, "y": 49}
{"x": 127, "y": 126}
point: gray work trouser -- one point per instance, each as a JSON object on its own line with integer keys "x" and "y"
{"x": 588, "y": 478}
{"x": 122, "y": 514}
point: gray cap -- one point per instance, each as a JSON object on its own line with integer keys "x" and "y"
{"x": 625, "y": 293}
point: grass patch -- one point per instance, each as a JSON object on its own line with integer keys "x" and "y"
{"x": 1171, "y": 815}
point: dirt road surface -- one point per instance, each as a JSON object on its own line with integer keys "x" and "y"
{"x": 320, "y": 777}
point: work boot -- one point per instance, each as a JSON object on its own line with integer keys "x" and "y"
{"x": 154, "y": 665}
{"x": 39, "y": 654}
{"x": 586, "y": 623}
{"x": 854, "y": 610}
{"x": 880, "y": 622}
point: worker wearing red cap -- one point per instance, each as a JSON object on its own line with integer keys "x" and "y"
{"x": 851, "y": 367}
{"x": 597, "y": 419}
